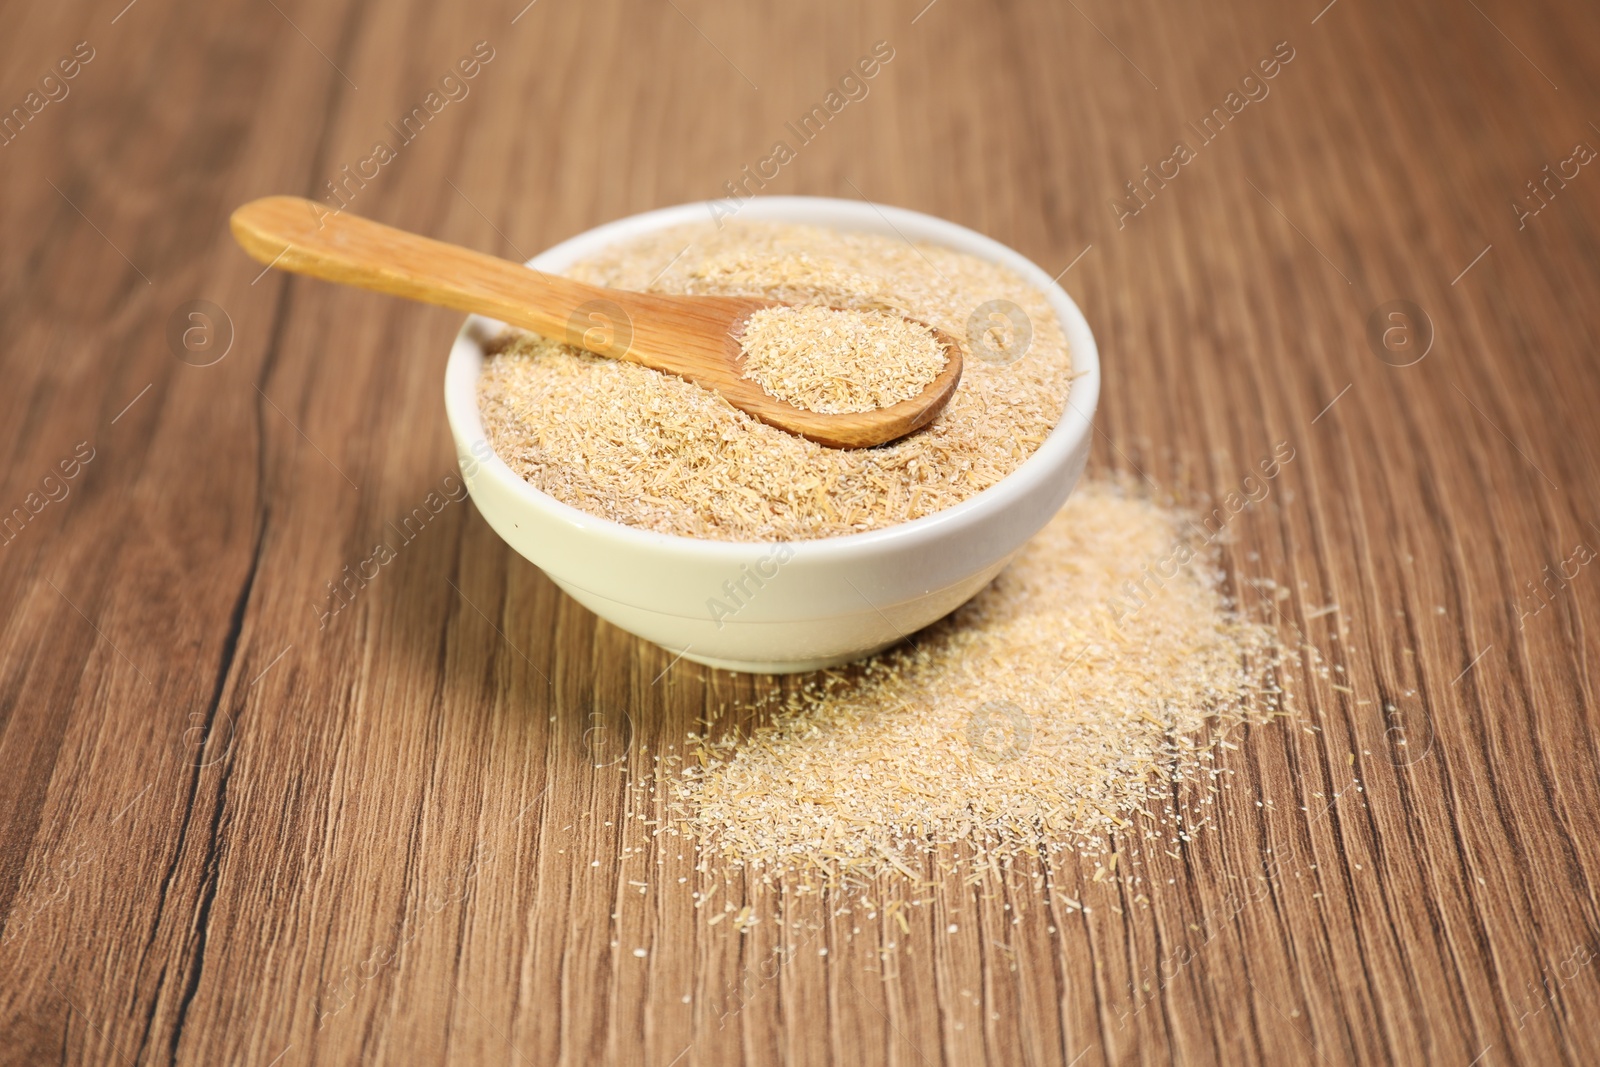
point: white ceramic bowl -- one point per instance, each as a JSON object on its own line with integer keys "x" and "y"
{"x": 801, "y": 605}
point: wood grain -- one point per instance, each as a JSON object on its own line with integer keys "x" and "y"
{"x": 236, "y": 829}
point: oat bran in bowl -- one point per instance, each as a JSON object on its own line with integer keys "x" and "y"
{"x": 667, "y": 512}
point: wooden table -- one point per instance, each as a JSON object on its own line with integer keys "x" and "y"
{"x": 232, "y": 831}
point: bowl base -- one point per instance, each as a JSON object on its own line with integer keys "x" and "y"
{"x": 788, "y": 666}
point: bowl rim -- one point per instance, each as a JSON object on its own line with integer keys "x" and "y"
{"x": 1065, "y": 438}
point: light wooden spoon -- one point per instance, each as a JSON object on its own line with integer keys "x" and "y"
{"x": 691, "y": 336}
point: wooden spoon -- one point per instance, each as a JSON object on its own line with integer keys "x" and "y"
{"x": 691, "y": 336}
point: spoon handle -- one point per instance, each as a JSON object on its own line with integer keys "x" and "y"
{"x": 295, "y": 234}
